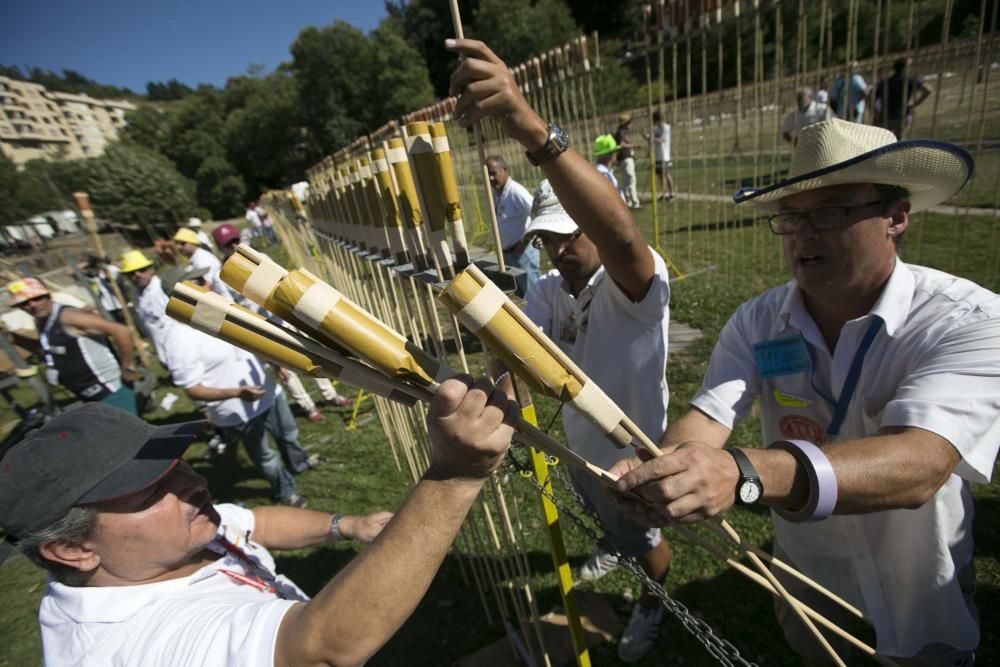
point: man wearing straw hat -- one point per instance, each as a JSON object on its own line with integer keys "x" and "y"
{"x": 147, "y": 570}
{"x": 605, "y": 303}
{"x": 75, "y": 347}
{"x": 879, "y": 391}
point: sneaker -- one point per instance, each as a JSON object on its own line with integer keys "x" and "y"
{"x": 295, "y": 500}
{"x": 640, "y": 634}
{"x": 315, "y": 461}
{"x": 340, "y": 401}
{"x": 314, "y": 415}
{"x": 598, "y": 565}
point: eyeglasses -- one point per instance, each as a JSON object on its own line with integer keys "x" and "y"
{"x": 820, "y": 219}
{"x": 563, "y": 240}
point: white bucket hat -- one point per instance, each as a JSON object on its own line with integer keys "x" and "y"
{"x": 194, "y": 223}
{"x": 547, "y": 214}
{"x": 836, "y": 152}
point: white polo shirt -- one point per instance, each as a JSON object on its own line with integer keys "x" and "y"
{"x": 206, "y": 618}
{"x": 151, "y": 307}
{"x": 195, "y": 358}
{"x": 934, "y": 364}
{"x": 797, "y": 119}
{"x": 661, "y": 142}
{"x": 513, "y": 206}
{"x": 621, "y": 345}
{"x": 203, "y": 259}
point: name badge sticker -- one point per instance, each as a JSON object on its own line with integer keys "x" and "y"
{"x": 781, "y": 356}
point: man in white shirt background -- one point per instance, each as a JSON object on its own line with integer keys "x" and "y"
{"x": 807, "y": 112}
{"x": 513, "y": 207}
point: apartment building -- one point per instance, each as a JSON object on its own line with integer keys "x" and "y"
{"x": 38, "y": 123}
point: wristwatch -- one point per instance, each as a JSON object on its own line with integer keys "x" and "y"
{"x": 748, "y": 488}
{"x": 556, "y": 143}
{"x": 335, "y": 533}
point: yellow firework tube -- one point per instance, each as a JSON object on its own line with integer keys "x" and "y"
{"x": 487, "y": 312}
{"x": 214, "y": 315}
{"x": 449, "y": 188}
{"x": 409, "y": 204}
{"x": 421, "y": 149}
{"x": 390, "y": 205}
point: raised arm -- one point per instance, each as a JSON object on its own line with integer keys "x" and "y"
{"x": 487, "y": 89}
{"x": 357, "y": 612}
{"x": 93, "y": 324}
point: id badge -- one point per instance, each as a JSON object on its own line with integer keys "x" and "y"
{"x": 781, "y": 356}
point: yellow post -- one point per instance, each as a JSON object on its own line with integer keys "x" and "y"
{"x": 352, "y": 425}
{"x": 540, "y": 468}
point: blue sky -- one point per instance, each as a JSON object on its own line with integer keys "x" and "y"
{"x": 129, "y": 42}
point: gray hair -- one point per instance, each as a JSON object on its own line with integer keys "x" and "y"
{"x": 498, "y": 161}
{"x": 76, "y": 525}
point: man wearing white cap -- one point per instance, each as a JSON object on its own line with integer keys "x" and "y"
{"x": 203, "y": 238}
{"x": 605, "y": 304}
{"x": 879, "y": 392}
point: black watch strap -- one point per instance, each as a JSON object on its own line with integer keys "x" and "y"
{"x": 748, "y": 474}
{"x": 555, "y": 144}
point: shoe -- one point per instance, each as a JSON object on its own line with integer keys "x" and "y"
{"x": 340, "y": 401}
{"x": 598, "y": 565}
{"x": 216, "y": 447}
{"x": 315, "y": 461}
{"x": 640, "y": 634}
{"x": 295, "y": 500}
{"x": 314, "y": 415}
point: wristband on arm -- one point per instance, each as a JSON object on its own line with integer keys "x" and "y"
{"x": 822, "y": 481}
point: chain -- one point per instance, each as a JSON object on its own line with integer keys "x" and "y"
{"x": 720, "y": 649}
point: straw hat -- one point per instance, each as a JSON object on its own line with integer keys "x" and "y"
{"x": 605, "y": 144}
{"x": 186, "y": 235}
{"x": 547, "y": 214}
{"x": 837, "y": 152}
{"x": 134, "y": 260}
{"x": 624, "y": 118}
{"x": 26, "y": 289}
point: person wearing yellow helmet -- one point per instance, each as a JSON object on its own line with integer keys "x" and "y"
{"x": 200, "y": 258}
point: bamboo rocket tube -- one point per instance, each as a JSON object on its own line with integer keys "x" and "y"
{"x": 449, "y": 186}
{"x": 508, "y": 333}
{"x": 214, "y": 315}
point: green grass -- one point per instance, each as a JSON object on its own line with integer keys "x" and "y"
{"x": 450, "y": 622}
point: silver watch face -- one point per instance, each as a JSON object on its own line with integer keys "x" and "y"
{"x": 749, "y": 492}
{"x": 559, "y": 137}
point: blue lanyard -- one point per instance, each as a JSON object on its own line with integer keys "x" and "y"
{"x": 851, "y": 383}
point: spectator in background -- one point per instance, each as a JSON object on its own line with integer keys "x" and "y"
{"x": 203, "y": 239}
{"x": 605, "y": 156}
{"x": 513, "y": 208}
{"x": 200, "y": 258}
{"x": 101, "y": 274}
{"x": 898, "y": 96}
{"x": 822, "y": 94}
{"x": 256, "y": 225}
{"x": 74, "y": 344}
{"x": 626, "y": 158}
{"x": 661, "y": 155}
{"x": 807, "y": 112}
{"x": 151, "y": 300}
{"x": 267, "y": 225}
{"x": 847, "y": 95}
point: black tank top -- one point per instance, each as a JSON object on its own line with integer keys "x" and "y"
{"x": 83, "y": 364}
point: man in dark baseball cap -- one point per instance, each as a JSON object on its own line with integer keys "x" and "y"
{"x": 92, "y": 454}
{"x": 146, "y": 570}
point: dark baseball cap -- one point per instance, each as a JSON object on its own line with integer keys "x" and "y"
{"x": 92, "y": 453}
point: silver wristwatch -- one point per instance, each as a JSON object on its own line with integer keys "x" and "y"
{"x": 555, "y": 144}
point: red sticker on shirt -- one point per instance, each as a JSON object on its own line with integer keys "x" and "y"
{"x": 796, "y": 427}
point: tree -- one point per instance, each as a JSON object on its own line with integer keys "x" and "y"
{"x": 167, "y": 91}
{"x": 133, "y": 184}
{"x": 519, "y": 29}
{"x": 401, "y": 80}
{"x": 220, "y": 188}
